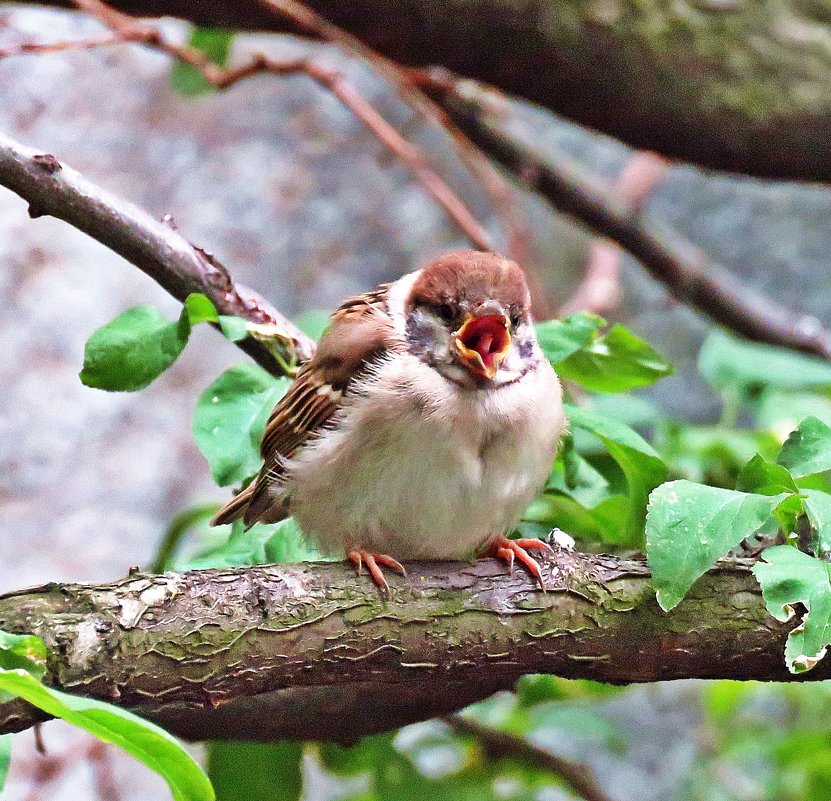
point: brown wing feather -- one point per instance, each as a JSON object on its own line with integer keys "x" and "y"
{"x": 359, "y": 331}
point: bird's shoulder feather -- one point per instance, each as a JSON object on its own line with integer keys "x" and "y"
{"x": 359, "y": 331}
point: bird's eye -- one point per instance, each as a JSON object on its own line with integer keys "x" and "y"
{"x": 445, "y": 311}
{"x": 516, "y": 317}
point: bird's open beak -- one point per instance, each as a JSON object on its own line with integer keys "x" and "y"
{"x": 483, "y": 342}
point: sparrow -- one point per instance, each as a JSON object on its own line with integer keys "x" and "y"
{"x": 423, "y": 426}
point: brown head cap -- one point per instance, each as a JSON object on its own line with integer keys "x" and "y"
{"x": 471, "y": 277}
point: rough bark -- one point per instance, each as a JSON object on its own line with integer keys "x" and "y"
{"x": 736, "y": 85}
{"x": 313, "y": 651}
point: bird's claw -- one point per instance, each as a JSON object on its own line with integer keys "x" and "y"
{"x": 508, "y": 550}
{"x": 360, "y": 556}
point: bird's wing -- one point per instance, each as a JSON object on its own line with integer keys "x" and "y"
{"x": 359, "y": 331}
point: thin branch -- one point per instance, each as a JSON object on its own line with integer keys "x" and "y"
{"x": 129, "y": 29}
{"x": 42, "y": 48}
{"x": 686, "y": 271}
{"x": 500, "y": 745}
{"x": 156, "y": 248}
{"x": 599, "y": 291}
{"x": 313, "y": 651}
{"x": 506, "y": 206}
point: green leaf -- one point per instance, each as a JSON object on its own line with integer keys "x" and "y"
{"x": 765, "y": 478}
{"x": 182, "y": 524}
{"x": 230, "y": 418}
{"x": 721, "y": 699}
{"x": 241, "y": 548}
{"x": 712, "y": 454}
{"x": 256, "y": 771}
{"x": 634, "y": 410}
{"x": 689, "y": 526}
{"x": 289, "y": 545}
{"x": 199, "y": 308}
{"x": 574, "y": 476}
{"x": 261, "y": 544}
{"x": 643, "y": 468}
{"x": 808, "y": 449}
{"x": 136, "y": 347}
{"x": 817, "y": 506}
{"x": 787, "y": 577}
{"x": 145, "y": 741}
{"x": 614, "y": 362}
{"x": 215, "y": 43}
{"x": 580, "y": 522}
{"x": 782, "y": 411}
{"x": 727, "y": 362}
{"x": 233, "y": 328}
{"x": 559, "y": 339}
{"x": 313, "y": 323}
{"x": 356, "y": 759}
{"x": 536, "y": 688}
{"x": 23, "y": 652}
{"x": 132, "y": 350}
{"x": 5, "y": 758}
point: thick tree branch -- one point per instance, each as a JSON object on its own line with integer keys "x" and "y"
{"x": 686, "y": 271}
{"x": 736, "y": 86}
{"x": 155, "y": 247}
{"x": 312, "y": 651}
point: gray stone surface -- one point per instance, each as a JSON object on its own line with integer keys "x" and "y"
{"x": 290, "y": 191}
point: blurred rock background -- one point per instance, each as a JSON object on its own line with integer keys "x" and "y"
{"x": 300, "y": 201}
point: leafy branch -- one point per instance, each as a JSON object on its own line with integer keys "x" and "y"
{"x": 156, "y": 248}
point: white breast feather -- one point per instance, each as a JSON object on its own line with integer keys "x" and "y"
{"x": 417, "y": 468}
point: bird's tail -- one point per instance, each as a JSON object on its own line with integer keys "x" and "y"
{"x": 235, "y": 508}
{"x": 255, "y": 504}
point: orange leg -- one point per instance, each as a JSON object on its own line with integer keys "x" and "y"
{"x": 359, "y": 556}
{"x": 503, "y": 548}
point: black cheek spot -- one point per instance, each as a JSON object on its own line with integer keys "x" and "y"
{"x": 525, "y": 348}
{"x": 419, "y": 337}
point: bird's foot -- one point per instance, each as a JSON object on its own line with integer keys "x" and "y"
{"x": 503, "y": 548}
{"x": 359, "y": 557}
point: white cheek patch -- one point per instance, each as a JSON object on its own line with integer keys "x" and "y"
{"x": 397, "y": 300}
{"x": 524, "y": 351}
{"x": 434, "y": 333}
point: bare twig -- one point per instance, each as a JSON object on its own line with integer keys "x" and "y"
{"x": 157, "y": 248}
{"x": 501, "y": 745}
{"x": 599, "y": 291}
{"x": 41, "y": 48}
{"x": 507, "y": 208}
{"x": 505, "y": 204}
{"x": 129, "y": 29}
{"x": 47, "y": 768}
{"x": 100, "y": 758}
{"x": 686, "y": 271}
